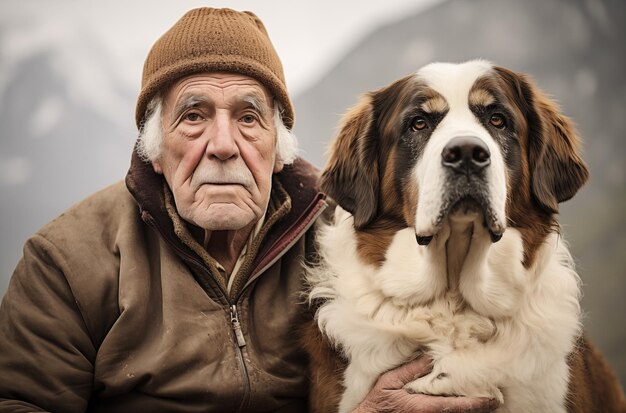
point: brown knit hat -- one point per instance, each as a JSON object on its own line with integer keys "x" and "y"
{"x": 214, "y": 40}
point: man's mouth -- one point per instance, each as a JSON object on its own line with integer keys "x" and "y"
{"x": 222, "y": 183}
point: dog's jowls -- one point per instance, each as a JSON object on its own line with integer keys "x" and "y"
{"x": 445, "y": 239}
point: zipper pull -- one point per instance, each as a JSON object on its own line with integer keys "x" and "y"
{"x": 234, "y": 319}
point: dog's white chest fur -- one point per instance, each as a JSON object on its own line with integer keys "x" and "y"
{"x": 494, "y": 328}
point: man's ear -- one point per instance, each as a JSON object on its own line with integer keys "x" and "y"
{"x": 351, "y": 175}
{"x": 157, "y": 167}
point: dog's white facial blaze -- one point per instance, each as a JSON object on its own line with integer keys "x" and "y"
{"x": 454, "y": 82}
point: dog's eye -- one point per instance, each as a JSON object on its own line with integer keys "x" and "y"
{"x": 497, "y": 120}
{"x": 418, "y": 123}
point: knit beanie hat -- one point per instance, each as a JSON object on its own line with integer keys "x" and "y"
{"x": 214, "y": 40}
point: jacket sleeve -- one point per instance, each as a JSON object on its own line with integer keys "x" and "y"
{"x": 46, "y": 354}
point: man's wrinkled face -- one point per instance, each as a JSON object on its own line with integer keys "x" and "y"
{"x": 218, "y": 153}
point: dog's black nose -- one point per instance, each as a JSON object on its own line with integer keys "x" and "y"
{"x": 466, "y": 155}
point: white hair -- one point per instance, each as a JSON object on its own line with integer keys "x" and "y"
{"x": 151, "y": 132}
{"x": 151, "y": 135}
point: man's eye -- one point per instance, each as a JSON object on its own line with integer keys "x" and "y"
{"x": 248, "y": 119}
{"x": 193, "y": 117}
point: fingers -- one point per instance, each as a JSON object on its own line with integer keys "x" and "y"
{"x": 389, "y": 395}
{"x": 423, "y": 403}
{"x": 458, "y": 404}
{"x": 398, "y": 377}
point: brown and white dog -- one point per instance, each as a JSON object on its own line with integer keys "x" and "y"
{"x": 445, "y": 239}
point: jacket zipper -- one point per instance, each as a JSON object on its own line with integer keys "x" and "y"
{"x": 241, "y": 342}
{"x": 234, "y": 319}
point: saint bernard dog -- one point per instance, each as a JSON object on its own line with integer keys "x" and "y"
{"x": 445, "y": 241}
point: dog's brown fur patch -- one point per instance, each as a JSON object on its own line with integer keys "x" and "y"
{"x": 326, "y": 367}
{"x": 373, "y": 241}
{"x": 593, "y": 387}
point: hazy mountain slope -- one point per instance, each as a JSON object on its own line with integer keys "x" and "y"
{"x": 57, "y": 145}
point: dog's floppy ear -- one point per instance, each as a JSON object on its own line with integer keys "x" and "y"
{"x": 557, "y": 170}
{"x": 351, "y": 174}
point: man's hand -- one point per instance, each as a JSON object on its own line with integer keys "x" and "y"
{"x": 388, "y": 395}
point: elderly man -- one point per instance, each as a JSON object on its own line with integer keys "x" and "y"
{"x": 180, "y": 290}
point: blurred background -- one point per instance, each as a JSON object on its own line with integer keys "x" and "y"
{"x": 70, "y": 72}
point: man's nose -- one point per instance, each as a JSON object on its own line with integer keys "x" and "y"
{"x": 466, "y": 155}
{"x": 222, "y": 143}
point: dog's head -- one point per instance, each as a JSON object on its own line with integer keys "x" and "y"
{"x": 454, "y": 138}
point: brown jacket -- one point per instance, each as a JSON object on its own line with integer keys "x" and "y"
{"x": 115, "y": 308}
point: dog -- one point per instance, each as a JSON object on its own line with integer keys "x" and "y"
{"x": 445, "y": 242}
